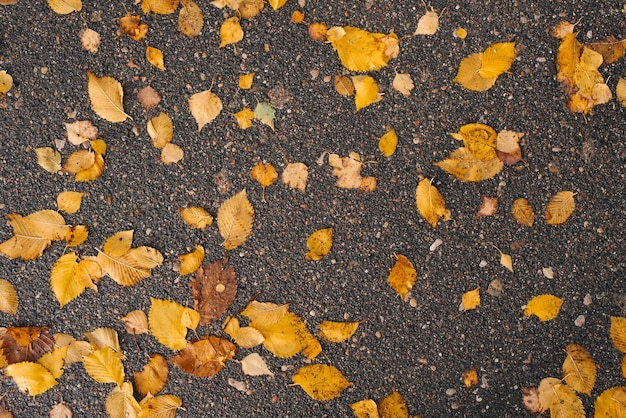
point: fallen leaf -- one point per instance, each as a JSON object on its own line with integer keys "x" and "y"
{"x": 90, "y": 40}
{"x": 337, "y": 332}
{"x": 244, "y": 118}
{"x": 133, "y": 27}
{"x": 65, "y": 279}
{"x": 64, "y": 7}
{"x": 620, "y": 91}
{"x": 254, "y": 365}
{"x": 250, "y": 8}
{"x": 618, "y": 333}
{"x": 235, "y": 218}
{"x": 80, "y": 131}
{"x": 560, "y": 208}
{"x": 285, "y": 337}
{"x": 205, "y": 107}
{"x": 464, "y": 165}
{"x": 321, "y": 381}
{"x": 265, "y": 313}
{"x": 460, "y": 33}
{"x": 69, "y": 202}
{"x": 523, "y": 212}
{"x": 8, "y": 298}
{"x": 54, "y": 361}
{"x": 190, "y": 19}
{"x": 565, "y": 403}
{"x": 104, "y": 337}
{"x": 205, "y": 357}
{"x": 171, "y": 153}
{"x": 318, "y": 31}
{"x": 470, "y": 378}
{"x": 155, "y": 57}
{"x": 366, "y": 408}
{"x": 611, "y": 403}
{"x": 393, "y": 405}
{"x": 169, "y": 322}
{"x": 214, "y": 288}
{"x": 428, "y": 24}
{"x": 403, "y": 83}
{"x": 76, "y": 235}
{"x": 265, "y": 174}
{"x": 245, "y": 81}
{"x": 49, "y": 159}
{"x": 611, "y": 49}
{"x": 245, "y": 337}
{"x": 430, "y": 203}
{"x": 152, "y": 378}
{"x": 60, "y": 410}
{"x": 344, "y": 85}
{"x": 366, "y": 91}
{"x": 162, "y": 406}
{"x": 120, "y": 402}
{"x": 507, "y": 147}
{"x": 105, "y": 366}
{"x": 295, "y": 176}
{"x": 319, "y": 243}
{"x": 545, "y": 307}
{"x": 276, "y": 4}
{"x": 196, "y": 217}
{"x": 530, "y": 399}
{"x": 479, "y": 72}
{"x": 579, "y": 369}
{"x": 470, "y": 300}
{"x": 360, "y": 50}
{"x": 488, "y": 207}
{"x": 402, "y": 276}
{"x": 161, "y": 130}
{"x": 106, "y": 94}
{"x": 162, "y": 7}
{"x": 191, "y": 262}
{"x": 6, "y": 82}
{"x": 25, "y": 343}
{"x": 230, "y": 31}
{"x": 33, "y": 234}
{"x": 136, "y": 322}
{"x": 506, "y": 261}
{"x": 30, "y": 377}
{"x": 265, "y": 113}
{"x": 388, "y": 142}
{"x": 562, "y": 29}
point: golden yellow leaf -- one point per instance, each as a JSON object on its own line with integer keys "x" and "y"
{"x": 321, "y": 381}
{"x": 546, "y": 392}
{"x": 76, "y": 351}
{"x": 162, "y": 7}
{"x": 133, "y": 27}
{"x": 54, "y": 361}
{"x": 478, "y": 72}
{"x": 161, "y": 130}
{"x": 105, "y": 366}
{"x": 402, "y": 276}
{"x": 460, "y": 33}
{"x": 69, "y": 202}
{"x": 166, "y": 322}
{"x": 90, "y": 40}
{"x": 64, "y": 7}
{"x": 344, "y": 85}
{"x": 620, "y": 91}
{"x": 360, "y": 50}
{"x": 366, "y": 91}
{"x": 479, "y": 139}
{"x": 470, "y": 378}
{"x": 264, "y": 313}
{"x": 124, "y": 265}
{"x": 393, "y": 405}
{"x": 106, "y": 94}
{"x": 430, "y": 203}
{"x": 295, "y": 175}
{"x": 136, "y": 322}
{"x": 79, "y": 161}
{"x": 49, "y": 159}
{"x": 76, "y": 235}
{"x": 104, "y": 337}
{"x": 264, "y": 173}
{"x": 566, "y": 403}
{"x": 8, "y": 297}
{"x": 30, "y": 377}
{"x": 119, "y": 243}
{"x": 470, "y": 300}
{"x": 205, "y": 357}
{"x": 286, "y": 337}
{"x": 388, "y": 142}
{"x": 6, "y": 82}
{"x": 545, "y": 307}
{"x": 120, "y": 402}
{"x": 244, "y": 118}
{"x": 230, "y": 31}
{"x": 523, "y": 212}
{"x": 319, "y": 243}
{"x": 366, "y": 408}
{"x": 611, "y": 403}
{"x": 245, "y": 337}
{"x": 463, "y": 165}
{"x": 196, "y": 217}
{"x": 92, "y": 172}
{"x": 245, "y": 81}
{"x": 336, "y": 332}
{"x": 155, "y": 57}
{"x": 162, "y": 406}
{"x": 428, "y": 24}
{"x": 611, "y": 49}
{"x": 579, "y": 369}
{"x": 171, "y": 153}
{"x": 506, "y": 261}
{"x": 560, "y": 208}
{"x": 46, "y": 223}
{"x": 63, "y": 280}
{"x": 235, "y": 218}
{"x": 276, "y": 4}
{"x": 249, "y": 8}
{"x": 403, "y": 83}
{"x": 153, "y": 376}
{"x": 146, "y": 257}
{"x": 624, "y": 366}
{"x": 204, "y": 106}
{"x": 618, "y": 333}
{"x": 190, "y": 19}
{"x": 192, "y": 261}
{"x": 254, "y": 365}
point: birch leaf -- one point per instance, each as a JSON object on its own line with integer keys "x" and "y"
{"x": 265, "y": 113}
{"x": 104, "y": 337}
{"x": 120, "y": 402}
{"x": 190, "y": 19}
{"x": 464, "y": 165}
{"x": 106, "y": 95}
{"x": 295, "y": 175}
{"x": 63, "y": 280}
{"x": 366, "y": 91}
{"x": 161, "y": 130}
{"x": 545, "y": 307}
{"x": 506, "y": 261}
{"x": 245, "y": 337}
{"x": 155, "y": 57}
{"x": 620, "y": 91}
{"x": 566, "y": 404}
{"x": 611, "y": 403}
{"x": 64, "y": 7}
{"x": 214, "y": 288}
{"x": 470, "y": 300}
{"x": 579, "y": 369}
{"x": 167, "y": 322}
{"x": 428, "y": 24}
{"x": 30, "y": 377}
{"x": 6, "y": 82}
{"x": 366, "y": 408}
{"x": 286, "y": 337}
{"x": 319, "y": 243}
{"x": 90, "y": 40}
{"x": 60, "y": 410}
{"x": 69, "y": 202}
{"x": 479, "y": 72}
{"x": 393, "y": 405}
{"x": 360, "y": 50}
{"x": 254, "y": 365}
{"x": 388, "y": 142}
{"x": 235, "y": 218}
{"x": 205, "y": 107}
{"x": 265, "y": 313}
{"x": 560, "y": 208}
{"x": 430, "y": 203}
{"x": 230, "y": 31}
{"x": 402, "y": 276}
{"x": 162, "y": 7}
{"x": 49, "y": 159}
{"x": 265, "y": 174}
{"x": 546, "y": 392}
{"x": 81, "y": 131}
{"x": 344, "y": 85}
{"x": 196, "y": 217}
{"x": 191, "y": 262}
{"x": 244, "y": 118}
{"x": 8, "y": 297}
{"x": 153, "y": 376}
{"x": 276, "y": 4}
{"x": 54, "y": 361}
{"x": 133, "y": 27}
{"x": 148, "y": 97}
{"x": 337, "y": 332}
{"x": 618, "y": 333}
{"x": 163, "y": 406}
{"x": 245, "y": 81}
{"x": 135, "y": 322}
{"x": 105, "y": 366}
{"x": 321, "y": 381}
{"x": 403, "y": 83}
{"x": 171, "y": 153}
{"x": 523, "y": 212}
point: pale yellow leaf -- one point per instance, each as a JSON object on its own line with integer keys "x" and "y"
{"x": 344, "y": 85}
{"x": 347, "y": 170}
{"x": 166, "y": 323}
{"x": 64, "y": 7}
{"x": 562, "y": 29}
{"x": 566, "y": 404}
{"x": 79, "y": 161}
{"x": 245, "y": 81}
{"x": 196, "y": 217}
{"x": 470, "y": 300}
{"x": 254, "y": 365}
{"x": 393, "y": 406}
{"x": 80, "y": 131}
{"x": 204, "y": 106}
{"x": 104, "y": 337}
{"x": 153, "y": 376}
{"x": 30, "y": 377}
{"x": 366, "y": 408}
{"x": 545, "y": 307}
{"x": 319, "y": 243}
{"x": 69, "y": 202}
{"x": 265, "y": 313}
{"x": 430, "y": 203}
{"x": 106, "y": 95}
{"x": 321, "y": 381}
{"x": 403, "y": 83}
{"x": 190, "y": 19}
{"x": 560, "y": 208}
{"x": 120, "y": 402}
{"x": 620, "y": 91}
{"x": 579, "y": 369}
{"x": 171, "y": 153}
{"x": 464, "y": 165}
{"x": 162, "y": 406}
{"x": 611, "y": 403}
{"x": 161, "y": 130}
{"x": 402, "y": 276}
{"x": 336, "y": 332}
{"x": 506, "y": 261}
{"x": 8, "y": 297}
{"x": 48, "y": 224}
{"x": 90, "y": 40}
{"x": 523, "y": 212}
{"x": 295, "y": 175}
{"x": 146, "y": 257}
{"x": 235, "y": 218}
{"x": 124, "y": 269}
{"x": 136, "y": 322}
{"x": 230, "y": 31}
{"x": 428, "y": 24}
{"x": 546, "y": 392}
{"x": 388, "y": 142}
{"x": 49, "y": 159}
{"x": 618, "y": 333}
{"x": 155, "y": 57}
{"x": 190, "y": 262}
{"x": 366, "y": 91}
{"x": 60, "y": 410}
{"x": 105, "y": 366}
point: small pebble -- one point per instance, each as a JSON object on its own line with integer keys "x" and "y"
{"x": 450, "y": 392}
{"x": 587, "y": 300}
{"x": 482, "y": 264}
{"x": 580, "y": 321}
{"x": 548, "y": 272}
{"x": 435, "y": 244}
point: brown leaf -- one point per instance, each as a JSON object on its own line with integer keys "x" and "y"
{"x": 214, "y": 289}
{"x": 25, "y": 343}
{"x": 610, "y": 48}
{"x": 205, "y": 357}
{"x": 81, "y": 131}
{"x": 523, "y": 212}
{"x": 488, "y": 207}
{"x": 90, "y": 40}
{"x": 132, "y": 26}
{"x": 148, "y": 97}
{"x": 190, "y": 19}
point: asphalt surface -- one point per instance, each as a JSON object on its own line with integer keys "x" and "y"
{"x": 420, "y": 351}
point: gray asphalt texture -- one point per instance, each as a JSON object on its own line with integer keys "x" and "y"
{"x": 421, "y": 351}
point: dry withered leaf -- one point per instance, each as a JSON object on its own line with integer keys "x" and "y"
{"x": 318, "y": 31}
{"x": 254, "y": 365}
{"x": 319, "y": 243}
{"x": 618, "y": 333}
{"x": 204, "y": 106}
{"x": 171, "y": 154}
{"x": 611, "y": 49}
{"x": 250, "y": 8}
{"x": 133, "y": 27}
{"x": 235, "y": 218}
{"x": 90, "y": 40}
{"x": 161, "y": 130}
{"x": 562, "y": 29}
{"x": 344, "y": 85}
{"x": 403, "y": 83}
{"x": 49, "y": 159}
{"x": 106, "y": 94}
{"x": 205, "y": 357}
{"x": 360, "y": 50}
{"x": 214, "y": 288}
{"x": 579, "y": 369}
{"x": 25, "y": 343}
{"x": 153, "y": 376}
{"x": 64, "y": 7}
{"x": 162, "y": 7}
{"x": 523, "y": 212}
{"x": 530, "y": 399}
{"x": 430, "y": 203}
{"x": 196, "y": 217}
{"x": 507, "y": 146}
{"x": 470, "y": 378}
{"x": 428, "y": 24}
{"x": 8, "y": 298}
{"x": 402, "y": 276}
{"x": 80, "y": 131}
{"x": 488, "y": 207}
{"x": 295, "y": 175}
{"x": 148, "y": 97}
{"x": 136, "y": 322}
{"x": 190, "y": 19}
{"x": 120, "y": 402}
{"x": 393, "y": 405}
{"x": 169, "y": 322}
{"x": 560, "y": 207}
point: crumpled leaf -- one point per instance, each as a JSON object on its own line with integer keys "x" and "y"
{"x": 25, "y": 343}
{"x": 560, "y": 208}
{"x": 265, "y": 113}
{"x": 120, "y": 402}
{"x": 579, "y": 369}
{"x": 230, "y": 31}
{"x": 507, "y": 146}
{"x": 295, "y": 175}
{"x": 153, "y": 376}
{"x": 205, "y": 107}
{"x": 205, "y": 357}
{"x": 105, "y": 366}
{"x": 133, "y": 27}
{"x": 366, "y": 91}
{"x": 254, "y": 365}
{"x": 190, "y": 19}
{"x": 388, "y": 142}
{"x": 319, "y": 243}
{"x": 428, "y": 24}
{"x": 479, "y": 72}
{"x": 336, "y": 332}
{"x": 430, "y": 203}
{"x": 196, "y": 217}
{"x": 611, "y": 403}
{"x": 402, "y": 276}
{"x": 49, "y": 159}
{"x": 403, "y": 83}
{"x": 470, "y": 378}
{"x": 64, "y": 7}
{"x": 214, "y": 288}
{"x": 161, "y": 130}
{"x": 235, "y": 218}
{"x": 360, "y": 50}
{"x": 393, "y": 405}
{"x": 8, "y": 298}
{"x": 523, "y": 212}
{"x": 488, "y": 207}
{"x": 30, "y": 377}
{"x": 69, "y": 202}
{"x": 545, "y": 307}
{"x": 348, "y": 172}
{"x": 155, "y": 57}
{"x": 321, "y": 381}
{"x": 191, "y": 262}
{"x": 470, "y": 300}
{"x": 562, "y": 29}
{"x": 106, "y": 94}
{"x": 162, "y": 406}
{"x": 90, "y": 40}
{"x": 463, "y": 165}
{"x": 80, "y": 131}
{"x": 169, "y": 322}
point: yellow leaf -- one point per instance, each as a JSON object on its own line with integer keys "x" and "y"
{"x": 153, "y": 376}
{"x": 545, "y": 307}
{"x": 506, "y": 261}
{"x": 49, "y": 159}
{"x": 286, "y": 337}
{"x": 403, "y": 83}
{"x": 163, "y": 406}
{"x": 190, "y": 19}
{"x": 265, "y": 313}
{"x": 507, "y": 146}
{"x": 479, "y": 139}
{"x": 230, "y": 31}
{"x": 166, "y": 322}
{"x": 565, "y": 403}
{"x": 319, "y": 243}
{"x": 155, "y": 57}
{"x": 388, "y": 143}
{"x": 523, "y": 212}
{"x": 245, "y": 81}
{"x": 560, "y": 208}
{"x": 402, "y": 276}
{"x": 6, "y": 82}
{"x": 63, "y": 280}
{"x": 171, "y": 153}
{"x": 254, "y": 365}
{"x": 546, "y": 392}
{"x": 295, "y": 175}
{"x": 624, "y": 366}
{"x": 470, "y": 300}
{"x": 470, "y": 378}
{"x": 136, "y": 322}
{"x": 92, "y": 172}
{"x": 161, "y": 130}
{"x": 146, "y": 257}
{"x": 45, "y": 224}
{"x": 563, "y": 28}
{"x": 249, "y": 8}
{"x": 336, "y": 332}
{"x": 235, "y": 218}
{"x": 8, "y": 297}
{"x": 105, "y": 366}
{"x": 618, "y": 333}
{"x": 196, "y": 217}
{"x": 264, "y": 173}
{"x": 244, "y": 118}
{"x": 277, "y": 4}
{"x": 162, "y": 7}
{"x": 430, "y": 203}
{"x": 463, "y": 165}
{"x": 460, "y": 33}
{"x": 106, "y": 94}
{"x": 344, "y": 85}
{"x": 366, "y": 408}
{"x": 120, "y": 402}
{"x": 192, "y": 261}
{"x": 124, "y": 265}
{"x": 69, "y": 202}
{"x": 611, "y": 403}
{"x": 119, "y": 243}
{"x": 204, "y": 106}
{"x": 366, "y": 91}
{"x": 30, "y": 377}
{"x": 393, "y": 406}
{"x": 104, "y": 337}
{"x": 360, "y": 50}
{"x": 54, "y": 361}
{"x": 579, "y": 369}
{"x": 79, "y": 161}
{"x": 76, "y": 235}
{"x": 428, "y": 24}
{"x": 478, "y": 72}
{"x": 321, "y": 381}
{"x": 620, "y": 91}
{"x": 64, "y": 7}
{"x": 133, "y": 27}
